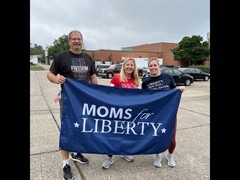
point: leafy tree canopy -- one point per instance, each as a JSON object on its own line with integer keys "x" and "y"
{"x": 36, "y": 49}
{"x": 192, "y": 50}
{"x": 60, "y": 44}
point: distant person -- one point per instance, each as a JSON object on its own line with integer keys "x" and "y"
{"x": 128, "y": 78}
{"x": 75, "y": 64}
{"x": 158, "y": 81}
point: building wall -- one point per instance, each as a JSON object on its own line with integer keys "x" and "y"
{"x": 115, "y": 56}
{"x": 207, "y": 63}
{"x": 34, "y": 59}
{"x": 155, "y": 47}
{"x": 90, "y": 53}
{"x": 164, "y": 48}
{"x": 161, "y": 50}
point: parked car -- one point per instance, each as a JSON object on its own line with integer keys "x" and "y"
{"x": 179, "y": 77}
{"x": 168, "y": 66}
{"x": 145, "y": 69}
{"x": 101, "y": 66}
{"x": 196, "y": 73}
{"x": 114, "y": 69}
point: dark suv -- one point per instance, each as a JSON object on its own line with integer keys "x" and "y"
{"x": 114, "y": 69}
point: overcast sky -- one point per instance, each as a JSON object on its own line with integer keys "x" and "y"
{"x": 113, "y": 24}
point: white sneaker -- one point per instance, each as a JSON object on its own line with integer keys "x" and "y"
{"x": 171, "y": 161}
{"x": 158, "y": 162}
{"x": 127, "y": 158}
{"x": 107, "y": 163}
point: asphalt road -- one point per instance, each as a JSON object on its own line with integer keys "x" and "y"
{"x": 192, "y": 153}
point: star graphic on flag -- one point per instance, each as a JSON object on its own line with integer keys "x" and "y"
{"x": 76, "y": 125}
{"x": 163, "y": 130}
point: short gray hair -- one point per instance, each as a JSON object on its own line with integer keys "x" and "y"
{"x": 74, "y": 31}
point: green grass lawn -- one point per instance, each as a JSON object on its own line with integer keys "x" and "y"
{"x": 36, "y": 68}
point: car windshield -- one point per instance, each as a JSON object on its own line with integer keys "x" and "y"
{"x": 182, "y": 69}
{"x": 102, "y": 66}
{"x": 112, "y": 66}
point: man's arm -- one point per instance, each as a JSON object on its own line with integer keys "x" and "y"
{"x": 57, "y": 79}
{"x": 93, "y": 79}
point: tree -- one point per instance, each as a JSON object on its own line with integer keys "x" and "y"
{"x": 192, "y": 50}
{"x": 60, "y": 44}
{"x": 36, "y": 49}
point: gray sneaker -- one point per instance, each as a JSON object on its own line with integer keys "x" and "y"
{"x": 127, "y": 158}
{"x": 158, "y": 162}
{"x": 107, "y": 163}
{"x": 171, "y": 161}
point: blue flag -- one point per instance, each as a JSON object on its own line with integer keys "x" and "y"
{"x": 106, "y": 120}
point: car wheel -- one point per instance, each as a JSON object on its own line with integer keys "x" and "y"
{"x": 110, "y": 75}
{"x": 187, "y": 82}
{"x": 206, "y": 78}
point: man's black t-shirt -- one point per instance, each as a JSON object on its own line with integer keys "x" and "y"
{"x": 75, "y": 66}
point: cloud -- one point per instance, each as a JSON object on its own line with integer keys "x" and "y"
{"x": 118, "y": 23}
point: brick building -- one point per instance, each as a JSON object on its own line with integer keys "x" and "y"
{"x": 161, "y": 50}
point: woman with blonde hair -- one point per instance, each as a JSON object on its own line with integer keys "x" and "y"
{"x": 127, "y": 78}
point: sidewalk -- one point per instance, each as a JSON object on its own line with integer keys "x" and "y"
{"x": 192, "y": 153}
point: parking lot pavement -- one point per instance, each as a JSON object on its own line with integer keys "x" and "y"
{"x": 192, "y": 153}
